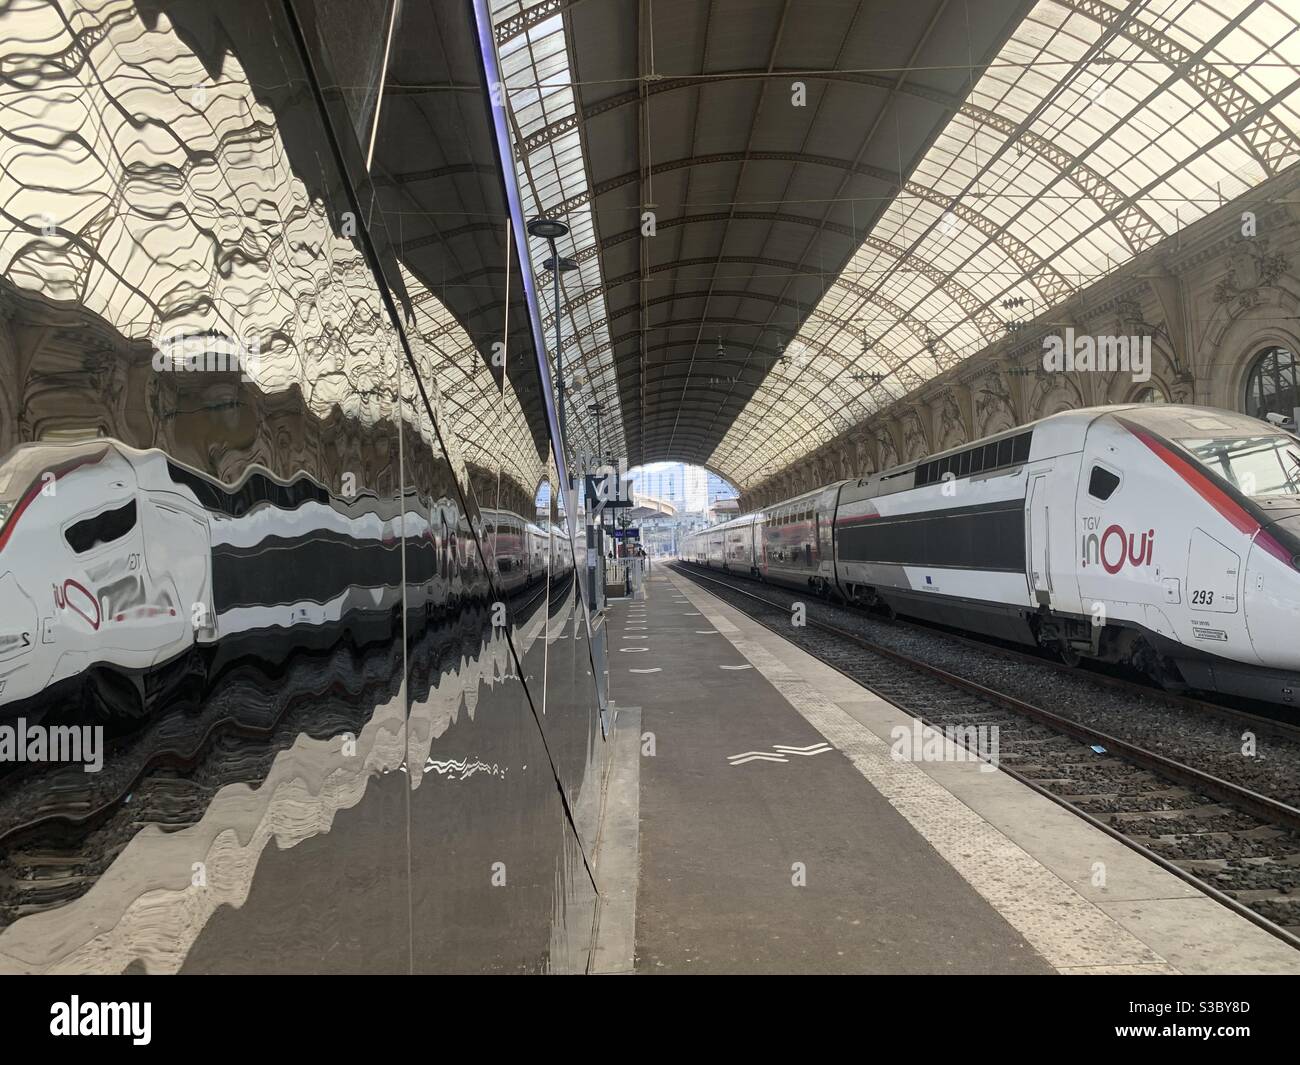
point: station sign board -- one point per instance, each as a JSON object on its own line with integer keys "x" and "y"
{"x": 606, "y": 491}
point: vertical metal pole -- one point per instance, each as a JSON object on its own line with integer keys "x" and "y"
{"x": 559, "y": 353}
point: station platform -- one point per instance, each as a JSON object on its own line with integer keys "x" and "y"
{"x": 773, "y": 832}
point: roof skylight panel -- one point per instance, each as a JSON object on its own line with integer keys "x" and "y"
{"x": 1100, "y": 115}
{"x": 540, "y": 94}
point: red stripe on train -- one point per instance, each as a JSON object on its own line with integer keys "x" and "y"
{"x": 1201, "y": 482}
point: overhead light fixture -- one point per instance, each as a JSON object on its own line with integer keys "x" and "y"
{"x": 722, "y": 352}
{"x": 547, "y": 228}
{"x": 550, "y": 230}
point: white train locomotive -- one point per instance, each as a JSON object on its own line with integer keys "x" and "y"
{"x": 1163, "y": 537}
{"x": 120, "y": 561}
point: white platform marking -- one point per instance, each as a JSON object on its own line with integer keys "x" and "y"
{"x": 778, "y": 753}
{"x": 754, "y": 756}
{"x": 811, "y": 749}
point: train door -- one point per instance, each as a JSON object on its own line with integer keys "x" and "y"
{"x": 824, "y": 533}
{"x": 1038, "y": 527}
{"x": 109, "y": 590}
{"x": 177, "y": 566}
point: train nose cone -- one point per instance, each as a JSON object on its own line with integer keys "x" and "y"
{"x": 18, "y": 626}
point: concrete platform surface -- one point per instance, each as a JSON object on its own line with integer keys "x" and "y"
{"x": 777, "y": 833}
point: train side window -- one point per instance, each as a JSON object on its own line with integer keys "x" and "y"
{"x": 977, "y": 460}
{"x": 1102, "y": 483}
{"x": 1006, "y": 448}
{"x": 1022, "y": 443}
{"x": 990, "y": 456}
{"x": 964, "y": 470}
{"x": 103, "y": 528}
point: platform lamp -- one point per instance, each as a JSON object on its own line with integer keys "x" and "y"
{"x": 550, "y": 230}
{"x": 596, "y": 410}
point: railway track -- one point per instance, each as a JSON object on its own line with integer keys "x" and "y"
{"x": 1239, "y": 846}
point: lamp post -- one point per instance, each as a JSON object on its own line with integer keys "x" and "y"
{"x": 550, "y": 230}
{"x": 596, "y": 410}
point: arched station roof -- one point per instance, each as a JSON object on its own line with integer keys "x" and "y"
{"x": 849, "y": 198}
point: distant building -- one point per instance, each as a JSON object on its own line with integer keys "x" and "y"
{"x": 720, "y": 489}
{"x": 691, "y": 489}
{"x": 696, "y": 489}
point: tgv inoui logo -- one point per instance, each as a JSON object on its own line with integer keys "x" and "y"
{"x": 1115, "y": 547}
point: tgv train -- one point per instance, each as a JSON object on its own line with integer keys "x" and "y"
{"x": 121, "y": 561}
{"x": 1166, "y": 538}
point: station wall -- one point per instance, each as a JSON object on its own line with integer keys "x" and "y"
{"x": 273, "y": 580}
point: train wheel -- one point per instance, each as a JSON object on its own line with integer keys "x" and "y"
{"x": 1069, "y": 655}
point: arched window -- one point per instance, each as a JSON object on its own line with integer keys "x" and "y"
{"x": 1150, "y": 394}
{"x": 1273, "y": 385}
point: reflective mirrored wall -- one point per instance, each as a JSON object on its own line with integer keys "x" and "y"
{"x": 295, "y": 675}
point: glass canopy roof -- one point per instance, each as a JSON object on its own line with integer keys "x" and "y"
{"x": 1092, "y": 136}
{"x": 553, "y": 180}
{"x": 93, "y": 219}
{"x": 1098, "y": 130}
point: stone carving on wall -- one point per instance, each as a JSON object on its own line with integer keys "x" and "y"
{"x": 914, "y": 442}
{"x": 1055, "y": 394}
{"x": 887, "y": 451}
{"x": 951, "y": 424}
{"x": 864, "y": 456}
{"x": 1251, "y": 267}
{"x": 1130, "y": 317}
{"x": 994, "y": 410}
{"x": 1182, "y": 389}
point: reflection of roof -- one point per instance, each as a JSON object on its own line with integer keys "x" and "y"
{"x": 1032, "y": 164}
{"x": 489, "y": 425}
{"x": 170, "y": 228}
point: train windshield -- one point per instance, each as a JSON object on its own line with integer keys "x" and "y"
{"x": 1265, "y": 465}
{"x": 17, "y": 476}
{"x": 29, "y": 468}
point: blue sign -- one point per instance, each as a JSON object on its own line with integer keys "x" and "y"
{"x": 627, "y": 534}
